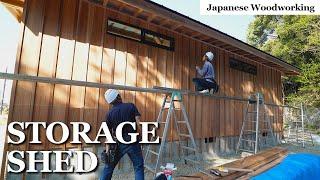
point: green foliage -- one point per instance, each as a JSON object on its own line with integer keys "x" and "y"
{"x": 6, "y": 110}
{"x": 298, "y": 43}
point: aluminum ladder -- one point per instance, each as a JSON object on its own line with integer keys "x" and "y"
{"x": 300, "y": 134}
{"x": 170, "y": 100}
{"x": 256, "y": 126}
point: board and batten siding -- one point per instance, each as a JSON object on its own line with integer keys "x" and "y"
{"x": 67, "y": 39}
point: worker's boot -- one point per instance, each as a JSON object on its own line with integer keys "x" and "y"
{"x": 204, "y": 91}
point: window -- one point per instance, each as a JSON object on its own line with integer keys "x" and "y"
{"x": 97, "y": 1}
{"x": 242, "y": 66}
{"x": 158, "y": 40}
{"x": 123, "y": 30}
{"x": 139, "y": 34}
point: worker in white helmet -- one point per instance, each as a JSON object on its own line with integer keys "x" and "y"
{"x": 122, "y": 112}
{"x": 206, "y": 83}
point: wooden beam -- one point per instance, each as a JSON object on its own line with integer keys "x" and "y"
{"x": 138, "y": 12}
{"x": 214, "y": 45}
{"x": 231, "y": 49}
{"x": 162, "y": 90}
{"x": 151, "y": 17}
{"x": 16, "y": 3}
{"x": 192, "y": 24}
{"x": 200, "y": 36}
{"x": 105, "y": 3}
{"x": 177, "y": 26}
{"x": 207, "y": 39}
{"x": 236, "y": 51}
{"x": 251, "y": 162}
{"x": 195, "y": 34}
{"x": 15, "y": 11}
{"x": 214, "y": 41}
{"x": 224, "y": 46}
{"x": 122, "y": 7}
{"x": 165, "y": 21}
{"x": 263, "y": 168}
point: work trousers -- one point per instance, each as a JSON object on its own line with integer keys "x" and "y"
{"x": 135, "y": 155}
{"x": 202, "y": 84}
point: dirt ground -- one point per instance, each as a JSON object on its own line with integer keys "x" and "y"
{"x": 183, "y": 169}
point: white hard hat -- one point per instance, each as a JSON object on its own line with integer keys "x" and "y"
{"x": 210, "y": 55}
{"x": 110, "y": 95}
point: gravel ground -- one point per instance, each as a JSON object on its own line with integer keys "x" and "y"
{"x": 294, "y": 147}
{"x": 183, "y": 169}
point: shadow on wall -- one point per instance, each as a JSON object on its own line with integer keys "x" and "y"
{"x": 67, "y": 39}
{"x": 61, "y": 42}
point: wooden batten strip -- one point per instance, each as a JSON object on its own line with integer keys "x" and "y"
{"x": 48, "y": 63}
{"x": 22, "y": 77}
{"x": 14, "y": 84}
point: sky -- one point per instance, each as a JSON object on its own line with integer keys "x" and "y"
{"x": 8, "y": 47}
{"x": 235, "y": 26}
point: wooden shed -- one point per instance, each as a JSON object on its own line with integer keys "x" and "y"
{"x": 134, "y": 43}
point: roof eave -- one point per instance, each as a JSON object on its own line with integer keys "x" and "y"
{"x": 205, "y": 29}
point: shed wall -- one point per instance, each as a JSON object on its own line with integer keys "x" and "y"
{"x": 67, "y": 39}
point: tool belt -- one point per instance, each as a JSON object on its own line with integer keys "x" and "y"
{"x": 112, "y": 155}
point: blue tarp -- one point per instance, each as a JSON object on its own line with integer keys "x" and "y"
{"x": 294, "y": 167}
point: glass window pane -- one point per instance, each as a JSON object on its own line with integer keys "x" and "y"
{"x": 157, "y": 40}
{"x": 123, "y": 30}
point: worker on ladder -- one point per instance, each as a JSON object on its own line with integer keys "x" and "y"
{"x": 122, "y": 112}
{"x": 206, "y": 83}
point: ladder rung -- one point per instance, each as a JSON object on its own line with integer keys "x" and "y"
{"x": 185, "y": 135}
{"x": 163, "y": 122}
{"x": 266, "y": 137}
{"x": 188, "y": 148}
{"x": 260, "y": 114}
{"x": 181, "y": 122}
{"x": 248, "y": 140}
{"x": 175, "y": 100}
{"x": 153, "y": 152}
{"x": 260, "y": 121}
{"x": 150, "y": 168}
{"x": 249, "y": 130}
{"x": 194, "y": 161}
{"x": 173, "y": 108}
{"x": 246, "y": 150}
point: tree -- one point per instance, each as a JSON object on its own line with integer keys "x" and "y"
{"x": 297, "y": 42}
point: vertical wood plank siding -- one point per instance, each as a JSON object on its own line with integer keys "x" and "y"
{"x": 67, "y": 39}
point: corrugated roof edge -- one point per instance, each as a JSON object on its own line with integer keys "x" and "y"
{"x": 173, "y": 11}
